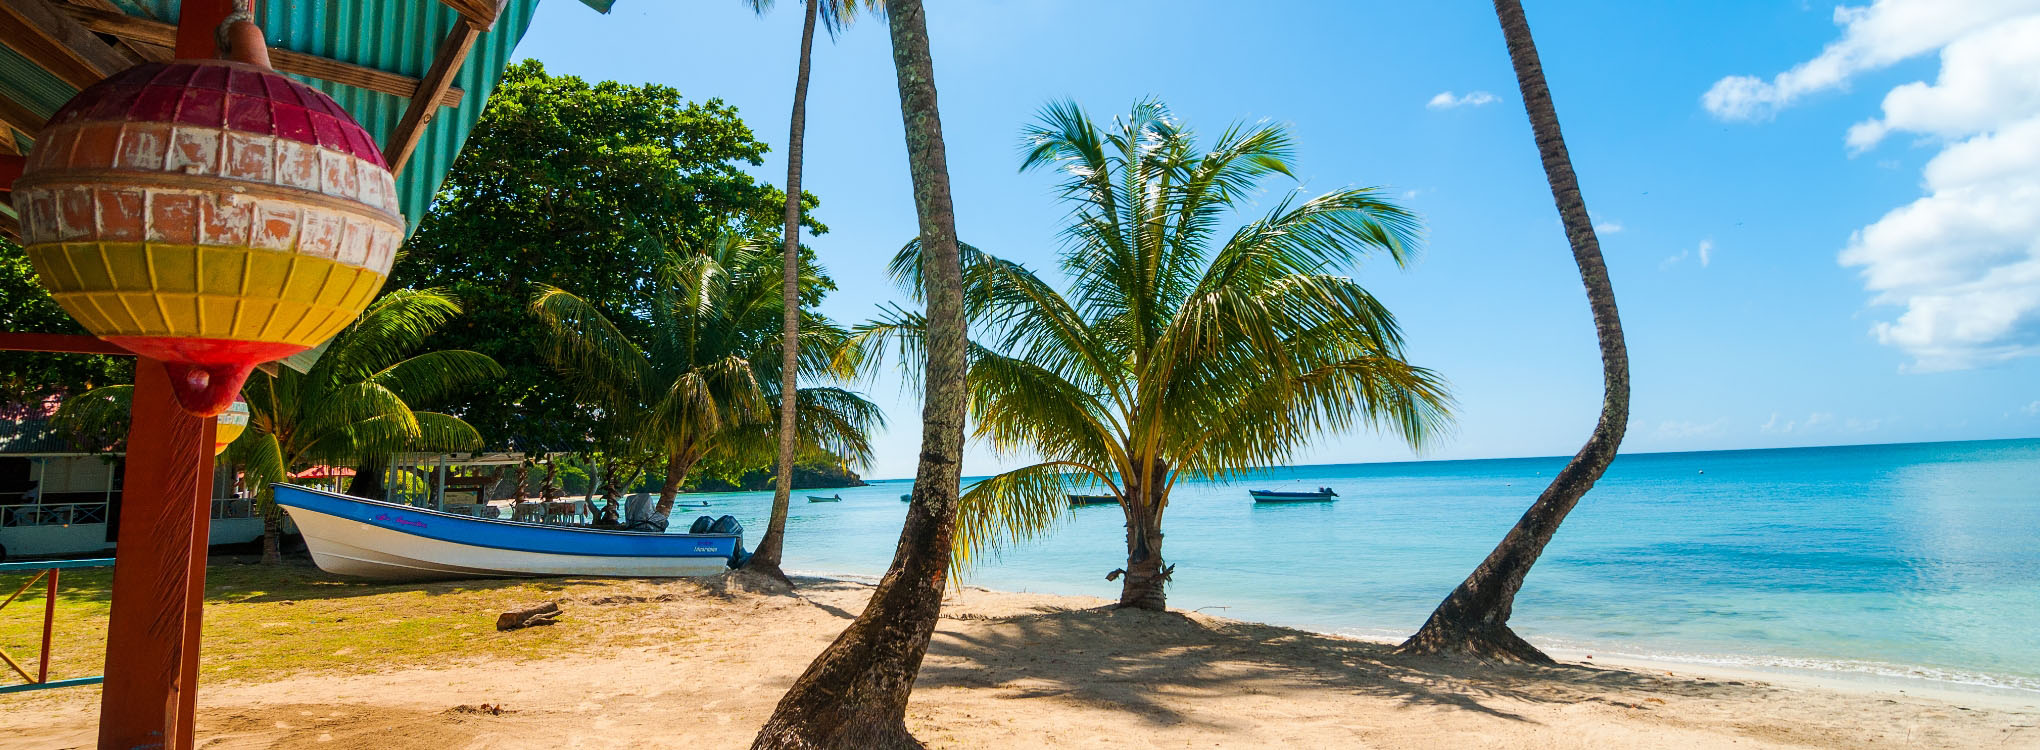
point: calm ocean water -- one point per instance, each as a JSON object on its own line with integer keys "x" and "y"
{"x": 1918, "y": 560}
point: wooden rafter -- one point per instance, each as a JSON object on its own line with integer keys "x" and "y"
{"x": 482, "y": 12}
{"x": 21, "y": 118}
{"x": 453, "y": 52}
{"x": 149, "y": 52}
{"x": 158, "y": 34}
{"x": 45, "y": 35}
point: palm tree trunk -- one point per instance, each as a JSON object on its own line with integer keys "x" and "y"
{"x": 272, "y": 530}
{"x": 766, "y": 558}
{"x": 1146, "y": 572}
{"x": 854, "y": 695}
{"x": 1474, "y": 619}
{"x": 677, "y": 465}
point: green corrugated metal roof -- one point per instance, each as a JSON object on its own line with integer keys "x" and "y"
{"x": 399, "y": 36}
{"x": 29, "y": 85}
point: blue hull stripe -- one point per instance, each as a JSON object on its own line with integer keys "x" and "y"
{"x": 508, "y": 535}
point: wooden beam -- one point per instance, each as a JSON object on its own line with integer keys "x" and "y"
{"x": 482, "y": 12}
{"x": 152, "y": 629}
{"x": 147, "y": 52}
{"x": 160, "y": 34}
{"x": 453, "y": 52}
{"x": 52, "y": 39}
{"x": 21, "y": 118}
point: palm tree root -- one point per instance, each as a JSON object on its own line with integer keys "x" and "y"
{"x": 765, "y": 568}
{"x": 1485, "y": 644}
{"x": 860, "y": 733}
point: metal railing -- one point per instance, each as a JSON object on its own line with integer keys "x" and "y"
{"x": 44, "y": 571}
{"x": 54, "y": 514}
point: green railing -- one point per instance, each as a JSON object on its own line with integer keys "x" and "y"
{"x": 45, "y": 571}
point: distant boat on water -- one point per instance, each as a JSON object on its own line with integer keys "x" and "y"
{"x": 907, "y": 498}
{"x": 836, "y": 499}
{"x": 1323, "y": 494}
{"x": 1078, "y": 501}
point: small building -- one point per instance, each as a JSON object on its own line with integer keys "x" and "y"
{"x": 58, "y": 501}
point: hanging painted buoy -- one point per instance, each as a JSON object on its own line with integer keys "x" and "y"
{"x": 231, "y": 423}
{"x": 212, "y": 214}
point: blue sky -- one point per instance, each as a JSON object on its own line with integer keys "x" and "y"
{"x": 1726, "y": 216}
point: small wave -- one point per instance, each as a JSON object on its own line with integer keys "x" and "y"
{"x": 1808, "y": 664}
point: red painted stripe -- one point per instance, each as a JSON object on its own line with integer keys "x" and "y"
{"x": 57, "y": 342}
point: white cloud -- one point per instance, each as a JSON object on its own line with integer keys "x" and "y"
{"x": 2032, "y": 409}
{"x": 1446, "y": 100}
{"x": 1608, "y": 227}
{"x": 1963, "y": 260}
{"x": 1676, "y": 429}
{"x": 1819, "y": 421}
{"x": 1706, "y": 252}
{"x": 1873, "y": 37}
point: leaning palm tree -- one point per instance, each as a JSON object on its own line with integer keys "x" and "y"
{"x": 834, "y": 15}
{"x": 854, "y": 695}
{"x": 358, "y": 403}
{"x": 701, "y": 382}
{"x": 1179, "y": 351}
{"x": 1474, "y": 619}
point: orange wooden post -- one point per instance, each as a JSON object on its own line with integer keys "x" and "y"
{"x": 159, "y": 573}
{"x": 49, "y": 620}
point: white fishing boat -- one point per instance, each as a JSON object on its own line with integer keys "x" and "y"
{"x": 365, "y": 538}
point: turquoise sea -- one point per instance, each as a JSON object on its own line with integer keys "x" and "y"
{"x": 1914, "y": 560}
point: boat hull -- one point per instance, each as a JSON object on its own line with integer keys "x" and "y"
{"x": 368, "y": 539}
{"x": 1291, "y": 497}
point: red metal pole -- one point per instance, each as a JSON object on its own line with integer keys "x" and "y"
{"x": 49, "y": 621}
{"x": 159, "y": 575}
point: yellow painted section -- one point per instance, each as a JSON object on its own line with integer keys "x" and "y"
{"x": 212, "y": 292}
{"x": 231, "y": 423}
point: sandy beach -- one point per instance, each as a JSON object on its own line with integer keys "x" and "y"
{"x": 705, "y": 663}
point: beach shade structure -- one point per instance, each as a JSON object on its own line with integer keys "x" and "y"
{"x": 136, "y": 160}
{"x": 229, "y": 425}
{"x": 210, "y": 214}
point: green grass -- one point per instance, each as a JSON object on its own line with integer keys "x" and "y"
{"x": 266, "y": 621}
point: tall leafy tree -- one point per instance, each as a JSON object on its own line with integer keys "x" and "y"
{"x": 1474, "y": 619}
{"x": 834, "y": 15}
{"x": 697, "y": 379}
{"x": 359, "y": 403}
{"x": 580, "y": 186}
{"x": 27, "y": 378}
{"x": 1179, "y": 350}
{"x": 854, "y": 695}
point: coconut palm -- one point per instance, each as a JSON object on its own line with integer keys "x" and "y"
{"x": 1474, "y": 619}
{"x": 854, "y": 695}
{"x": 834, "y": 16}
{"x": 358, "y": 403}
{"x": 1179, "y": 351}
{"x": 702, "y": 382}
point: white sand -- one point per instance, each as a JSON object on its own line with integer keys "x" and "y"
{"x": 1014, "y": 671}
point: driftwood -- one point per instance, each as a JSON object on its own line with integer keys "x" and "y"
{"x": 528, "y": 617}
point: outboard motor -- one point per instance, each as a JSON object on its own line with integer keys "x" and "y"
{"x": 729, "y": 525}
{"x": 726, "y": 525}
{"x": 701, "y": 525}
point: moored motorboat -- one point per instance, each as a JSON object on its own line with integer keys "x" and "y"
{"x": 814, "y": 499}
{"x": 374, "y": 539}
{"x": 1078, "y": 501}
{"x": 1323, "y": 494}
{"x": 907, "y": 498}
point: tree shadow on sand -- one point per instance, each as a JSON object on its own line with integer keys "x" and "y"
{"x": 1129, "y": 659}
